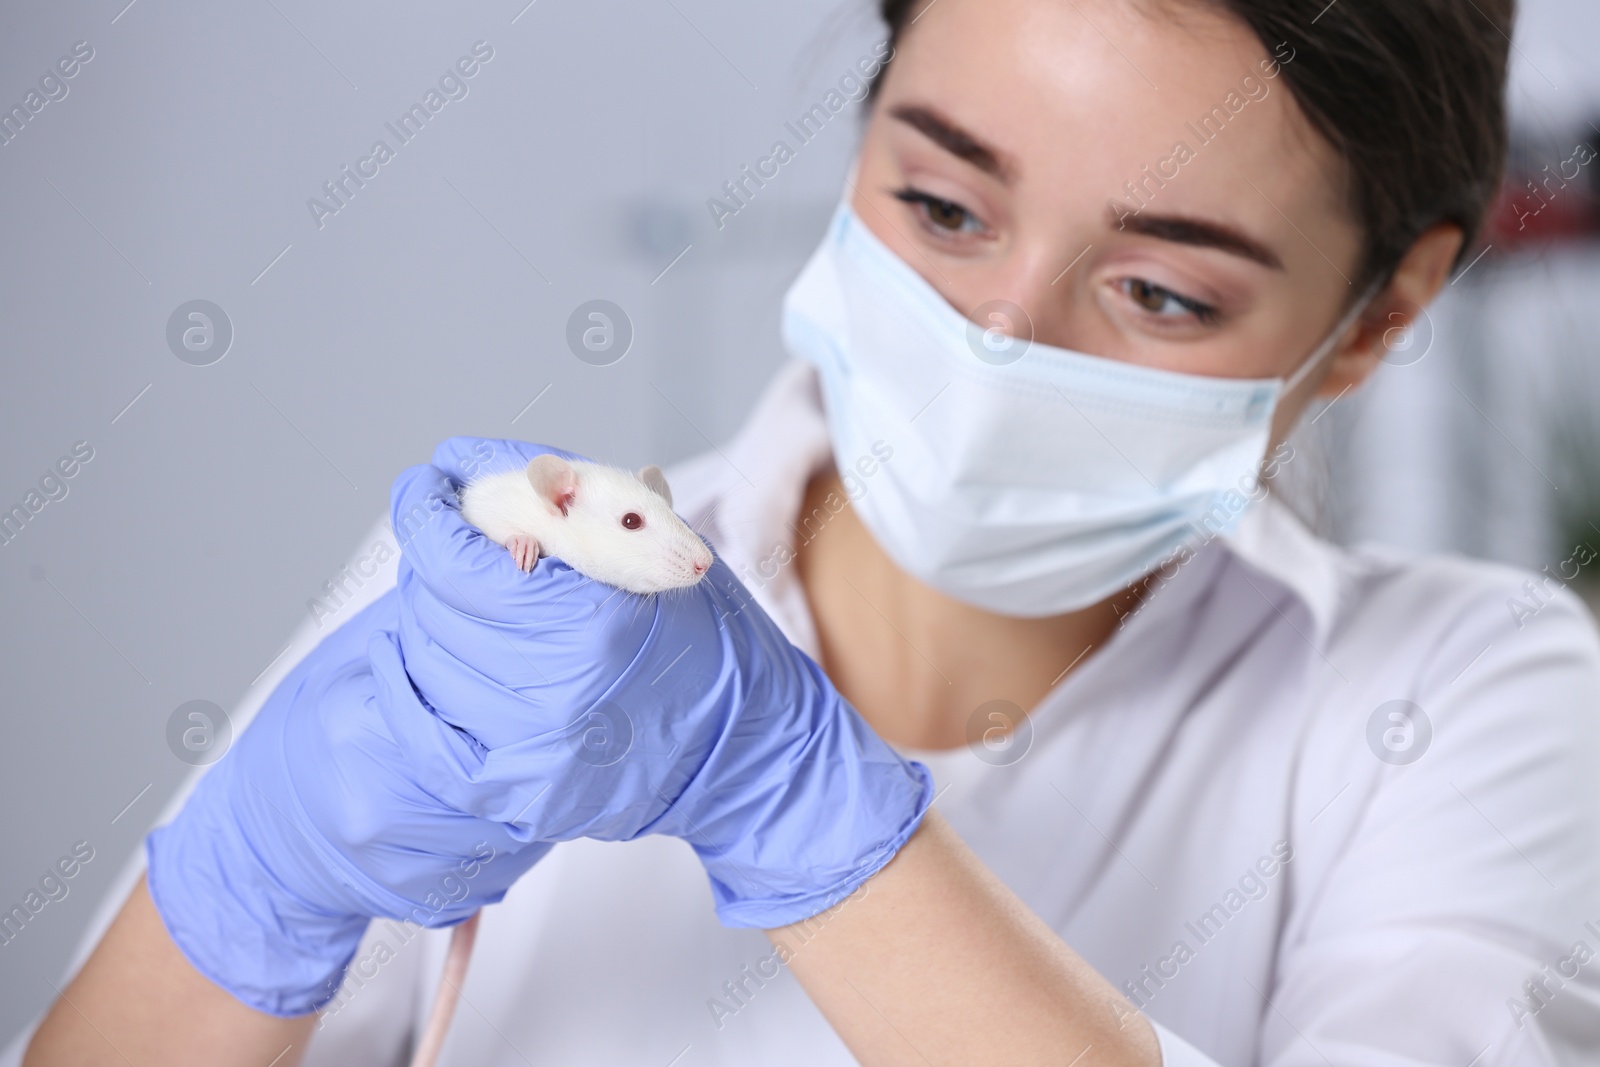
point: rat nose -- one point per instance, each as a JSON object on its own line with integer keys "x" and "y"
{"x": 699, "y": 568}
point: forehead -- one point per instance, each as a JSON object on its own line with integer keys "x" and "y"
{"x": 1081, "y": 96}
{"x": 621, "y": 491}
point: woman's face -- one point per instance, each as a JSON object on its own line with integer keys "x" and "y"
{"x": 1142, "y": 185}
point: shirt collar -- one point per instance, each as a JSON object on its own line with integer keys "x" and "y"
{"x": 749, "y": 494}
{"x": 1272, "y": 541}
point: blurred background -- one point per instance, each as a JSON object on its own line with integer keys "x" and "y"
{"x": 219, "y": 347}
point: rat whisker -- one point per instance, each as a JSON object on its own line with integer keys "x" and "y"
{"x": 711, "y": 513}
{"x": 601, "y": 606}
{"x": 580, "y": 585}
{"x": 736, "y": 525}
{"x": 619, "y": 605}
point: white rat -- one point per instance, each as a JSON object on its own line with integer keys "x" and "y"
{"x": 608, "y": 524}
{"x": 611, "y": 525}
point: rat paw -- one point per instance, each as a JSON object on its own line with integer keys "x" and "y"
{"x": 524, "y": 550}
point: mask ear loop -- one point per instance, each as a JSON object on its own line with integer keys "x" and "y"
{"x": 1317, "y": 355}
{"x": 842, "y": 208}
{"x": 1312, "y": 361}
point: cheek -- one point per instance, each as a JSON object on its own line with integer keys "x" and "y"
{"x": 663, "y": 548}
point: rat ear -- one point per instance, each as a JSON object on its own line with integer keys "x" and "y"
{"x": 554, "y": 480}
{"x": 656, "y": 482}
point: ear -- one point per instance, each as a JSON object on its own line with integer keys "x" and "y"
{"x": 1417, "y": 279}
{"x": 656, "y": 482}
{"x": 554, "y": 480}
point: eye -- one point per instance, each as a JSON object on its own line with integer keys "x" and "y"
{"x": 1165, "y": 303}
{"x": 632, "y": 521}
{"x": 943, "y": 215}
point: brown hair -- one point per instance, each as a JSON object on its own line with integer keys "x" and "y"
{"x": 1411, "y": 93}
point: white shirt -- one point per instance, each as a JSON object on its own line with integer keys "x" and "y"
{"x": 1200, "y": 813}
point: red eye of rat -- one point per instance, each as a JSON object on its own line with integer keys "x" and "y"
{"x": 632, "y": 521}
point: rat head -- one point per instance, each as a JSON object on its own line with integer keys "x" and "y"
{"x": 618, "y": 527}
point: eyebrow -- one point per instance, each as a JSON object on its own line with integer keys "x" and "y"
{"x": 955, "y": 140}
{"x": 965, "y": 146}
{"x": 1203, "y": 234}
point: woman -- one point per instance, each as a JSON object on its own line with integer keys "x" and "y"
{"x": 1272, "y": 801}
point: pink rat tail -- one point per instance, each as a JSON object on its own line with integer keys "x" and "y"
{"x": 449, "y": 993}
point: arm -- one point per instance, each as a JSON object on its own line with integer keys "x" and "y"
{"x": 138, "y": 1000}
{"x": 935, "y": 961}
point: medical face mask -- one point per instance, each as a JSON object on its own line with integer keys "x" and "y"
{"x": 1023, "y": 478}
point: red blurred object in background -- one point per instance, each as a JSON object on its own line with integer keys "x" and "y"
{"x": 1548, "y": 196}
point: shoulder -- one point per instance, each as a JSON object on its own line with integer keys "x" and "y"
{"x": 1427, "y": 675}
{"x": 1373, "y": 602}
{"x": 1500, "y": 665}
{"x": 1485, "y": 648}
{"x": 1446, "y": 767}
{"x": 1462, "y": 698}
{"x": 1420, "y": 602}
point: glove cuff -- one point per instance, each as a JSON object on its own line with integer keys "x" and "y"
{"x": 237, "y": 924}
{"x": 824, "y": 884}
